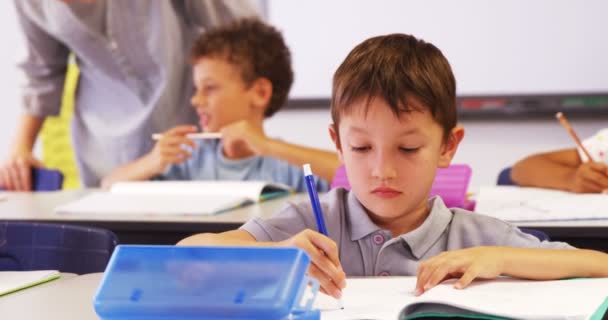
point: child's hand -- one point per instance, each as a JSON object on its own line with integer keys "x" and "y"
{"x": 243, "y": 137}
{"x": 466, "y": 264}
{"x": 325, "y": 266}
{"x": 169, "y": 150}
{"x": 590, "y": 177}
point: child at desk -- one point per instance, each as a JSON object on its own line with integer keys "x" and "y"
{"x": 394, "y": 123}
{"x": 568, "y": 169}
{"x": 242, "y": 74}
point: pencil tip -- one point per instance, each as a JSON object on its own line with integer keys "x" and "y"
{"x": 559, "y": 115}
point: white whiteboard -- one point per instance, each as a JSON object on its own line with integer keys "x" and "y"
{"x": 498, "y": 47}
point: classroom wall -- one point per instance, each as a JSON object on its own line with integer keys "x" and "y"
{"x": 488, "y": 146}
{"x": 506, "y": 47}
{"x": 495, "y": 47}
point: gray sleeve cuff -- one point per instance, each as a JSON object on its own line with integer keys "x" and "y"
{"x": 517, "y": 238}
{"x": 556, "y": 245}
{"x": 43, "y": 103}
{"x": 256, "y": 229}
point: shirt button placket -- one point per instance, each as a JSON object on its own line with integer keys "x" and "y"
{"x": 378, "y": 239}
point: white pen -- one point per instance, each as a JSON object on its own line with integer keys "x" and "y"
{"x": 194, "y": 136}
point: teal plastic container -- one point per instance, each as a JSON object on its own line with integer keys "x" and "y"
{"x": 169, "y": 282}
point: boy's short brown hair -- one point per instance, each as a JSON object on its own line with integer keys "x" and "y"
{"x": 257, "y": 49}
{"x": 393, "y": 67}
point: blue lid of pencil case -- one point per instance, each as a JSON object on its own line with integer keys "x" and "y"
{"x": 169, "y": 282}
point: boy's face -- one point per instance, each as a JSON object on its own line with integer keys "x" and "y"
{"x": 222, "y": 97}
{"x": 391, "y": 162}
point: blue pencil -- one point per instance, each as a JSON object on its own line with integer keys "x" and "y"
{"x": 316, "y": 206}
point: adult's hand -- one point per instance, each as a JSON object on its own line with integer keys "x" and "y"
{"x": 16, "y": 172}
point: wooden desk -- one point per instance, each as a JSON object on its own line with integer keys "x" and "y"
{"x": 134, "y": 229}
{"x": 158, "y": 229}
{"x": 69, "y": 297}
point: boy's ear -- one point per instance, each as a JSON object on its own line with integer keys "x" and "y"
{"x": 261, "y": 92}
{"x": 449, "y": 147}
{"x": 333, "y": 133}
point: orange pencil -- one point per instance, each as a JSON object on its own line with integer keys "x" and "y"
{"x": 562, "y": 119}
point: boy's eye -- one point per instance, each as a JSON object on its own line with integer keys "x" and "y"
{"x": 209, "y": 88}
{"x": 408, "y": 150}
{"x": 359, "y": 148}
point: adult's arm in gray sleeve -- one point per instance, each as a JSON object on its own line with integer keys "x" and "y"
{"x": 44, "y": 65}
{"x": 210, "y": 13}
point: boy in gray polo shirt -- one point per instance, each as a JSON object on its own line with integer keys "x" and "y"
{"x": 394, "y": 123}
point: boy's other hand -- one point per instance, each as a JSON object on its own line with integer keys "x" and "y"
{"x": 590, "y": 177}
{"x": 325, "y": 266}
{"x": 169, "y": 148}
{"x": 465, "y": 264}
{"x": 16, "y": 173}
{"x": 243, "y": 137}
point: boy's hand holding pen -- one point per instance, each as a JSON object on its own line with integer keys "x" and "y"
{"x": 325, "y": 263}
{"x": 321, "y": 249}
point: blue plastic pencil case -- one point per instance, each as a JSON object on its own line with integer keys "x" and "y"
{"x": 169, "y": 282}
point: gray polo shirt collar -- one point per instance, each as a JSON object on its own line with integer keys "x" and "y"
{"x": 359, "y": 222}
{"x": 424, "y": 237}
{"x": 419, "y": 240}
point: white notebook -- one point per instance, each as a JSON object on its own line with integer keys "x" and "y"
{"x": 511, "y": 203}
{"x": 11, "y": 281}
{"x": 393, "y": 298}
{"x": 174, "y": 197}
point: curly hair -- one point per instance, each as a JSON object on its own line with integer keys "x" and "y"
{"x": 257, "y": 49}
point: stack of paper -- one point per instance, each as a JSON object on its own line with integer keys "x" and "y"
{"x": 534, "y": 204}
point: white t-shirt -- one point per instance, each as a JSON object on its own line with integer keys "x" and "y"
{"x": 597, "y": 146}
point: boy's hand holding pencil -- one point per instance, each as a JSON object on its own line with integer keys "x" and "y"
{"x": 325, "y": 263}
{"x": 169, "y": 147}
{"x": 590, "y": 176}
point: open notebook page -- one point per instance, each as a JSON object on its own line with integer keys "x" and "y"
{"x": 248, "y": 189}
{"x": 103, "y": 203}
{"x": 173, "y": 197}
{"x": 523, "y": 299}
{"x": 535, "y": 204}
